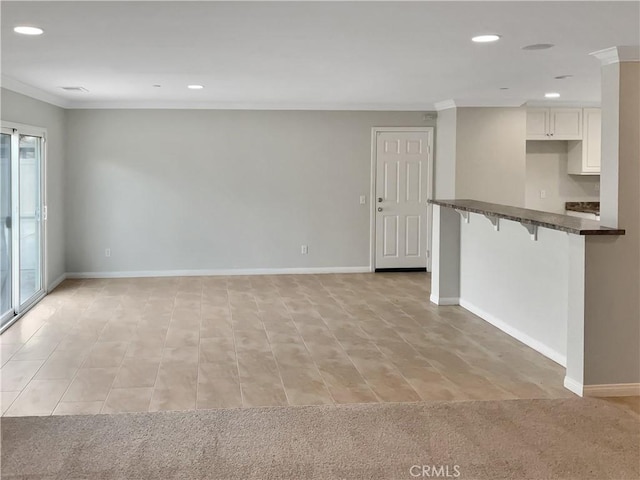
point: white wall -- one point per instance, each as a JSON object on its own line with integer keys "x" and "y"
{"x": 612, "y": 311}
{"x": 490, "y": 155}
{"x": 520, "y": 285}
{"x": 445, "y": 159}
{"x": 610, "y": 146}
{"x": 21, "y": 109}
{"x": 445, "y": 266}
{"x": 547, "y": 170}
{"x": 204, "y": 190}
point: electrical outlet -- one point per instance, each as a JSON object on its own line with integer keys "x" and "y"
{"x": 107, "y": 252}
{"x": 543, "y": 194}
{"x": 363, "y": 199}
{"x": 304, "y": 249}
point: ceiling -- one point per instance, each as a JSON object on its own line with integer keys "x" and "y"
{"x": 309, "y": 55}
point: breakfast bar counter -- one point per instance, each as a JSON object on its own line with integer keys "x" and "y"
{"x": 554, "y": 221}
{"x": 531, "y": 274}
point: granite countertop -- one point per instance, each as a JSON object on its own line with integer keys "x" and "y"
{"x": 585, "y": 207}
{"x": 553, "y": 221}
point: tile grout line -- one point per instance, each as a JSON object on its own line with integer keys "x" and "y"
{"x": 235, "y": 346}
{"x": 438, "y": 368}
{"x": 398, "y": 370}
{"x": 104, "y": 403}
{"x": 40, "y": 367}
{"x": 307, "y": 349}
{"x": 80, "y": 366}
{"x": 195, "y": 406}
{"x": 315, "y": 363}
{"x": 164, "y": 342}
{"x": 347, "y": 354}
{"x": 275, "y": 360}
{"x": 420, "y": 355}
{"x": 342, "y": 347}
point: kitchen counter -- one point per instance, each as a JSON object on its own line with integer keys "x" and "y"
{"x": 584, "y": 207}
{"x": 535, "y": 283}
{"x": 553, "y": 221}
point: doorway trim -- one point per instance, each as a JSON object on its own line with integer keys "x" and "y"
{"x": 372, "y": 189}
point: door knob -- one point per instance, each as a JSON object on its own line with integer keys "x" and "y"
{"x": 379, "y": 199}
{"x": 379, "y": 209}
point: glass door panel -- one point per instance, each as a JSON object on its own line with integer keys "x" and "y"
{"x": 21, "y": 222}
{"x": 6, "y": 305}
{"x": 29, "y": 208}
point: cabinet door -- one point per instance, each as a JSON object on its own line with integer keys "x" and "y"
{"x": 592, "y": 140}
{"x": 538, "y": 124}
{"x": 566, "y": 123}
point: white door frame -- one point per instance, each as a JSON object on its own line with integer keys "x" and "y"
{"x": 372, "y": 191}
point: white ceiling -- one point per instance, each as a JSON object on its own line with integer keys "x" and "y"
{"x": 309, "y": 55}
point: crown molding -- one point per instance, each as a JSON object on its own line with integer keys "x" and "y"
{"x": 452, "y": 103}
{"x": 550, "y": 104}
{"x": 17, "y": 86}
{"x": 619, "y": 54}
{"x": 181, "y": 105}
{"x": 444, "y": 105}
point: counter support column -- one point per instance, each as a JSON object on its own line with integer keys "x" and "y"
{"x": 574, "y": 376}
{"x": 445, "y": 263}
{"x": 612, "y": 274}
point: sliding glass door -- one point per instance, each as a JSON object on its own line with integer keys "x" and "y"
{"x": 6, "y": 237}
{"x": 29, "y": 208}
{"x": 21, "y": 208}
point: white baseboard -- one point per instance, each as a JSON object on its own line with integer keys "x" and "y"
{"x": 612, "y": 390}
{"x": 517, "y": 334}
{"x": 56, "y": 282}
{"x": 219, "y": 272}
{"x": 444, "y": 300}
{"x": 573, "y": 386}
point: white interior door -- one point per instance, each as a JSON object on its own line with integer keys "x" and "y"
{"x": 403, "y": 163}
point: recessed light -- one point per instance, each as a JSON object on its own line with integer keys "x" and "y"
{"x": 504, "y": 88}
{"x": 195, "y": 87}
{"x": 562, "y": 77}
{"x": 24, "y": 30}
{"x": 156, "y": 86}
{"x": 491, "y": 37}
{"x": 538, "y": 46}
{"x": 552, "y": 95}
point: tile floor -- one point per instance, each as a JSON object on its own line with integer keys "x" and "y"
{"x": 121, "y": 345}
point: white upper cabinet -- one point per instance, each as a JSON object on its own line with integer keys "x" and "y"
{"x": 584, "y": 156}
{"x": 554, "y": 124}
{"x": 566, "y": 123}
{"x": 537, "y": 124}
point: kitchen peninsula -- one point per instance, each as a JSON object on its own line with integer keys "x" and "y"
{"x": 524, "y": 271}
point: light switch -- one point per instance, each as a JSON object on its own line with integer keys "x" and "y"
{"x": 543, "y": 194}
{"x": 363, "y": 199}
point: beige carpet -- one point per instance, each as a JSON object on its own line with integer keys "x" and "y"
{"x": 519, "y": 439}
